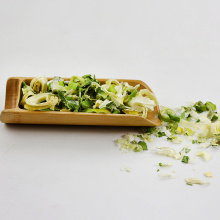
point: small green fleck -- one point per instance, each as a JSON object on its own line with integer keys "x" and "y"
{"x": 187, "y": 150}
{"x": 200, "y": 107}
{"x": 214, "y": 118}
{"x": 24, "y": 85}
{"x": 112, "y": 88}
{"x": 143, "y": 145}
{"x": 131, "y": 96}
{"x": 173, "y": 117}
{"x": 158, "y": 170}
{"x": 183, "y": 115}
{"x": 161, "y": 134}
{"x": 160, "y": 164}
{"x": 61, "y": 83}
{"x": 190, "y": 184}
{"x": 150, "y": 130}
{"x": 185, "y": 159}
{"x": 198, "y": 121}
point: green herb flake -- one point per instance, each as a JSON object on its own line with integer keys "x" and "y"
{"x": 214, "y": 118}
{"x": 174, "y": 117}
{"x": 200, "y": 107}
{"x": 187, "y": 150}
{"x": 190, "y": 184}
{"x": 23, "y": 85}
{"x": 150, "y": 130}
{"x": 161, "y": 134}
{"x": 185, "y": 159}
{"x": 132, "y": 95}
{"x": 210, "y": 106}
{"x": 143, "y": 145}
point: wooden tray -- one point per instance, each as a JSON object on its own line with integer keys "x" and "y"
{"x": 14, "y": 114}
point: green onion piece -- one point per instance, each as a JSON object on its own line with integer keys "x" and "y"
{"x": 185, "y": 159}
{"x": 174, "y": 117}
{"x": 61, "y": 96}
{"x": 143, "y": 145}
{"x": 183, "y": 115}
{"x": 210, "y": 106}
{"x": 200, "y": 107}
{"x": 73, "y": 86}
{"x": 160, "y": 164}
{"x": 187, "y": 150}
{"x": 116, "y": 111}
{"x": 112, "y": 88}
{"x": 87, "y": 104}
{"x": 101, "y": 93}
{"x": 168, "y": 115}
{"x": 161, "y": 134}
{"x": 23, "y": 85}
{"x": 214, "y": 118}
{"x": 131, "y": 96}
{"x": 111, "y": 106}
{"x": 150, "y": 130}
{"x": 73, "y": 106}
{"x": 173, "y": 127}
{"x": 61, "y": 83}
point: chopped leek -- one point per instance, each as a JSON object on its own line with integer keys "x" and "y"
{"x": 86, "y": 94}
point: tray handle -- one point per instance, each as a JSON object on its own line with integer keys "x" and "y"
{"x": 12, "y": 93}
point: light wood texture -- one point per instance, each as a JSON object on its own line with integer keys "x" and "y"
{"x": 14, "y": 114}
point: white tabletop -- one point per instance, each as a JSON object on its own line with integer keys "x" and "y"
{"x": 74, "y": 172}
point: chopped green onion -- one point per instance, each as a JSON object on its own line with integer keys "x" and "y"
{"x": 150, "y": 130}
{"x": 161, "y": 134}
{"x": 210, "y": 106}
{"x": 143, "y": 145}
{"x": 214, "y": 118}
{"x": 173, "y": 117}
{"x": 200, "y": 107}
{"x": 185, "y": 159}
{"x": 187, "y": 150}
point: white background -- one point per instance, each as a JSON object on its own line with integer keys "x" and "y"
{"x": 73, "y": 172}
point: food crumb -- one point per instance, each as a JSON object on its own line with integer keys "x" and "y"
{"x": 192, "y": 180}
{"x": 204, "y": 154}
{"x": 208, "y": 174}
{"x": 125, "y": 168}
{"x": 166, "y": 175}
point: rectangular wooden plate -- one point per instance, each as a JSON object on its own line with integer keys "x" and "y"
{"x": 15, "y": 115}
